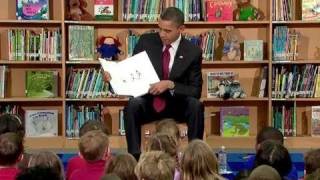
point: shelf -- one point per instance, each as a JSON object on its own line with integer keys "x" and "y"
{"x": 29, "y": 62}
{"x": 100, "y": 99}
{"x": 297, "y": 62}
{"x": 23, "y": 99}
{"x": 234, "y": 62}
{"x": 297, "y": 22}
{"x": 36, "y": 143}
{"x": 227, "y": 23}
{"x": 297, "y": 99}
{"x": 116, "y": 142}
{"x": 231, "y": 142}
{"x": 82, "y": 62}
{"x": 302, "y": 142}
{"x": 30, "y": 23}
{"x": 244, "y": 99}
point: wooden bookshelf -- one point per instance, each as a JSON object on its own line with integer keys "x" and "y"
{"x": 248, "y": 73}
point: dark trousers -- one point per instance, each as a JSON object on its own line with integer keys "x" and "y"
{"x": 140, "y": 111}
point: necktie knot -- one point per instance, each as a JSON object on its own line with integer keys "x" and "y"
{"x": 167, "y": 47}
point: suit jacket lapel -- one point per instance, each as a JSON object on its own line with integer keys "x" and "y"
{"x": 156, "y": 57}
{"x": 179, "y": 59}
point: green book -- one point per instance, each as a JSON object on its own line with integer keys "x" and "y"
{"x": 234, "y": 121}
{"x": 253, "y": 50}
{"x": 41, "y": 84}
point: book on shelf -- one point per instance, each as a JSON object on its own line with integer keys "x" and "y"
{"x": 132, "y": 76}
{"x": 104, "y": 9}
{"x": 41, "y": 123}
{"x": 122, "y": 130}
{"x": 219, "y": 10}
{"x": 3, "y": 80}
{"x": 81, "y": 48}
{"x": 41, "y": 83}
{"x": 284, "y": 119}
{"x": 315, "y": 121}
{"x": 310, "y": 10}
{"x": 234, "y": 121}
{"x": 215, "y": 79}
{"x": 32, "y": 9}
{"x": 283, "y": 10}
{"x": 263, "y": 82}
{"x": 253, "y": 50}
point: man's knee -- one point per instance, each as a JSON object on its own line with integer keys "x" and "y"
{"x": 134, "y": 104}
{"x": 194, "y": 104}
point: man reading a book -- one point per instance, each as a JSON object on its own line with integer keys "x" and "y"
{"x": 178, "y": 65}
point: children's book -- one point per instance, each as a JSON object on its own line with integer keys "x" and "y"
{"x": 103, "y": 9}
{"x": 41, "y": 83}
{"x": 81, "y": 43}
{"x": 310, "y": 10}
{"x": 41, "y": 123}
{"x": 219, "y": 10}
{"x": 234, "y": 121}
{"x": 253, "y": 50}
{"x": 315, "y": 121}
{"x": 32, "y": 9}
{"x": 215, "y": 79}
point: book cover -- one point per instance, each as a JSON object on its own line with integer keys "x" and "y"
{"x": 214, "y": 79}
{"x": 81, "y": 48}
{"x": 32, "y": 9}
{"x": 41, "y": 123}
{"x": 103, "y": 9}
{"x": 310, "y": 10}
{"x": 315, "y": 121}
{"x": 253, "y": 50}
{"x": 234, "y": 121}
{"x": 41, "y": 84}
{"x": 219, "y": 10}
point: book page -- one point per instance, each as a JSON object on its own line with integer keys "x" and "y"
{"x": 132, "y": 76}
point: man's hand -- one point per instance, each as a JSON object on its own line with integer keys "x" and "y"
{"x": 106, "y": 76}
{"x": 159, "y": 87}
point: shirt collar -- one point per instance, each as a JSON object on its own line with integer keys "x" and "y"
{"x": 176, "y": 43}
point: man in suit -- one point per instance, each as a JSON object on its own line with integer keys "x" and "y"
{"x": 178, "y": 65}
{"x": 177, "y": 94}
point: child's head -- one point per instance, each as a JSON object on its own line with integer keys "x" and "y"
{"x": 155, "y": 165}
{"x": 110, "y": 176}
{"x": 94, "y": 145}
{"x": 162, "y": 142}
{"x": 37, "y": 173}
{"x": 264, "y": 172}
{"x": 11, "y": 149}
{"x": 274, "y": 154}
{"x": 312, "y": 161}
{"x": 47, "y": 159}
{"x": 198, "y": 161}
{"x": 168, "y": 126}
{"x": 269, "y": 133}
{"x": 123, "y": 165}
{"x": 93, "y": 125}
{"x": 11, "y": 123}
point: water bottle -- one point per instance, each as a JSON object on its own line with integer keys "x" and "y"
{"x": 222, "y": 158}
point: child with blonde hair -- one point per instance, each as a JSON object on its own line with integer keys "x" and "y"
{"x": 199, "y": 162}
{"x": 155, "y": 165}
{"x": 47, "y": 159}
{"x": 94, "y": 148}
{"x": 123, "y": 165}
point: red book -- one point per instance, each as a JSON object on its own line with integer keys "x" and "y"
{"x": 219, "y": 10}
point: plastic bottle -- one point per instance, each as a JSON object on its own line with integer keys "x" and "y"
{"x": 222, "y": 158}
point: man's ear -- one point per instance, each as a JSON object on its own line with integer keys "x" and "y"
{"x": 181, "y": 28}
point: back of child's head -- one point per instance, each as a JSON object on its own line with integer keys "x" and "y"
{"x": 315, "y": 175}
{"x": 11, "y": 148}
{"x": 155, "y": 165}
{"x": 11, "y": 123}
{"x": 47, "y": 159}
{"x": 110, "y": 176}
{"x": 38, "y": 173}
{"x": 168, "y": 126}
{"x": 198, "y": 161}
{"x": 269, "y": 133}
{"x": 93, "y": 125}
{"x": 264, "y": 172}
{"x": 123, "y": 165}
{"x": 93, "y": 145}
{"x": 162, "y": 142}
{"x": 312, "y": 161}
{"x": 274, "y": 154}
{"x": 242, "y": 174}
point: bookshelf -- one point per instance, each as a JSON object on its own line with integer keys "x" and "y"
{"x": 248, "y": 71}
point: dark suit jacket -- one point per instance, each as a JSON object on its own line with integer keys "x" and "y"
{"x": 186, "y": 69}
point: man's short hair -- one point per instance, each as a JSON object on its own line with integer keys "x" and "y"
{"x": 269, "y": 133}
{"x": 155, "y": 165}
{"x": 93, "y": 145}
{"x": 11, "y": 123}
{"x": 173, "y": 14}
{"x": 93, "y": 125}
{"x": 11, "y": 148}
